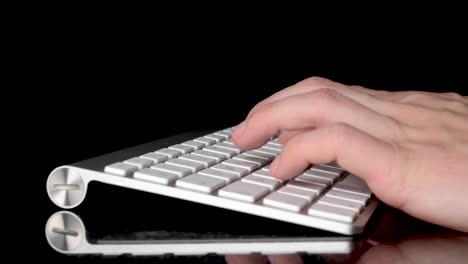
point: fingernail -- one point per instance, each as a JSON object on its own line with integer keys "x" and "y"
{"x": 274, "y": 164}
{"x": 239, "y": 129}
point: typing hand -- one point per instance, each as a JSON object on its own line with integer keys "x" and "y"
{"x": 410, "y": 147}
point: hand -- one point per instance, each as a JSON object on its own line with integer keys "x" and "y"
{"x": 410, "y": 147}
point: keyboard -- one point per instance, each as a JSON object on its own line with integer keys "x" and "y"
{"x": 208, "y": 168}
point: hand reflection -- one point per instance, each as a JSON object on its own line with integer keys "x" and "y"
{"x": 256, "y": 258}
{"x": 438, "y": 249}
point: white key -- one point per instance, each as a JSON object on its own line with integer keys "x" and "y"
{"x": 206, "y": 141}
{"x": 228, "y": 141}
{"x": 192, "y": 165}
{"x": 273, "y": 146}
{"x": 200, "y": 159}
{"x": 226, "y": 176}
{"x": 170, "y": 153}
{"x": 266, "y": 174}
{"x": 243, "y": 191}
{"x": 239, "y": 172}
{"x": 218, "y": 157}
{"x": 241, "y": 164}
{"x": 265, "y": 156}
{"x": 228, "y": 146}
{"x": 330, "y": 212}
{"x": 284, "y": 201}
{"x": 266, "y": 168}
{"x": 315, "y": 180}
{"x": 306, "y": 185}
{"x": 302, "y": 193}
{"x": 183, "y": 148}
{"x": 320, "y": 174}
{"x": 121, "y": 169}
{"x": 194, "y": 144}
{"x": 200, "y": 183}
{"x": 229, "y": 129}
{"x": 218, "y": 138}
{"x": 156, "y": 176}
{"x": 228, "y": 152}
{"x": 252, "y": 159}
{"x": 270, "y": 183}
{"x": 155, "y": 157}
{"x": 332, "y": 170}
{"x": 139, "y": 162}
{"x": 176, "y": 170}
{"x": 350, "y": 205}
{"x": 360, "y": 190}
{"x": 354, "y": 184}
{"x": 347, "y": 196}
{"x": 224, "y": 134}
{"x": 268, "y": 151}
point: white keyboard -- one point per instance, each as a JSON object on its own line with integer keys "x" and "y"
{"x": 211, "y": 170}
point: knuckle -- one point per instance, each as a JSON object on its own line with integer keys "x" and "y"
{"x": 453, "y": 96}
{"x": 341, "y": 132}
{"x": 315, "y": 80}
{"x": 325, "y": 95}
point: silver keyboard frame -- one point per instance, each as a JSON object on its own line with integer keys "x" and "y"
{"x": 79, "y": 174}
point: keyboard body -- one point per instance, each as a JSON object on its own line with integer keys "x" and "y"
{"x": 323, "y": 197}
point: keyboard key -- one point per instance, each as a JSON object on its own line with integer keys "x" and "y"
{"x": 224, "y": 134}
{"x": 268, "y": 151}
{"x": 330, "y": 212}
{"x": 155, "y": 157}
{"x": 206, "y": 141}
{"x": 229, "y": 129}
{"x": 231, "y": 169}
{"x": 176, "y": 170}
{"x": 347, "y": 196}
{"x": 121, "y": 169}
{"x": 228, "y": 141}
{"x": 273, "y": 146}
{"x": 266, "y": 174}
{"x": 320, "y": 174}
{"x": 182, "y": 148}
{"x": 315, "y": 180}
{"x": 139, "y": 162}
{"x": 226, "y": 176}
{"x": 200, "y": 183}
{"x": 228, "y": 152}
{"x": 266, "y": 168}
{"x": 243, "y": 191}
{"x": 306, "y": 185}
{"x": 200, "y": 159}
{"x": 228, "y": 146}
{"x": 270, "y": 183}
{"x": 350, "y": 205}
{"x": 155, "y": 176}
{"x": 170, "y": 153}
{"x": 192, "y": 165}
{"x": 194, "y": 144}
{"x": 299, "y": 192}
{"x": 284, "y": 201}
{"x": 217, "y": 138}
{"x": 241, "y": 164}
{"x": 265, "y": 156}
{"x": 332, "y": 170}
{"x": 275, "y": 142}
{"x": 332, "y": 164}
{"x": 218, "y": 157}
{"x": 365, "y": 191}
{"x": 252, "y": 159}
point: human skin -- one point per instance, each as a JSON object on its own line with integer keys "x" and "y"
{"x": 410, "y": 147}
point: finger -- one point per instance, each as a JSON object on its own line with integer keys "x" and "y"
{"x": 285, "y": 259}
{"x": 354, "y": 150}
{"x": 285, "y": 136}
{"x": 247, "y": 259}
{"x": 313, "y": 109}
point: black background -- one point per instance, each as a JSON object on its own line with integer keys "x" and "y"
{"x": 115, "y": 82}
